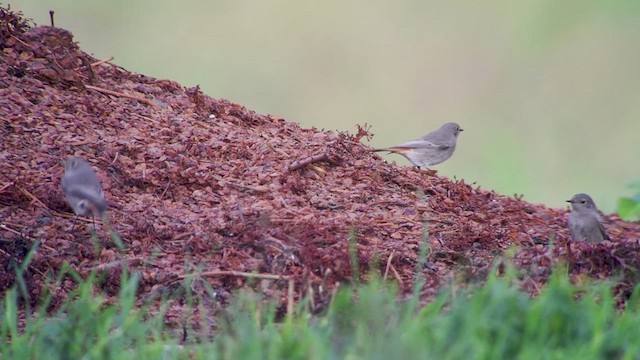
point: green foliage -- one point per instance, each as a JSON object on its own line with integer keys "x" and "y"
{"x": 86, "y": 327}
{"x": 629, "y": 207}
{"x": 495, "y": 321}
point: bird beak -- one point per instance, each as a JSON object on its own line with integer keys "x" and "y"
{"x": 461, "y": 129}
{"x": 569, "y": 201}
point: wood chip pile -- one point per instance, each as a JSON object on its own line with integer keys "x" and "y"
{"x": 198, "y": 184}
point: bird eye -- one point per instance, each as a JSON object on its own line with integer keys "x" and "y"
{"x": 583, "y": 201}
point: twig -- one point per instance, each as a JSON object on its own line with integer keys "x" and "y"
{"x": 312, "y": 303}
{"x": 92, "y": 75}
{"x": 258, "y": 188}
{"x": 290, "y": 299}
{"x": 239, "y": 206}
{"x": 165, "y": 190}
{"x": 535, "y": 285}
{"x": 51, "y": 12}
{"x": 363, "y": 132}
{"x": 115, "y": 93}
{"x": 331, "y": 159}
{"x": 100, "y": 62}
{"x": 22, "y": 42}
{"x": 397, "y": 276}
{"x": 182, "y": 236}
{"x": 204, "y": 125}
{"x": 33, "y": 198}
{"x": 241, "y": 274}
{"x": 317, "y": 169}
{"x": 7, "y": 185}
{"x": 386, "y": 270}
{"x": 115, "y": 158}
{"x": 116, "y": 263}
{"x": 3, "y": 226}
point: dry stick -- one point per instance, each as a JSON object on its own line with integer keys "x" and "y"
{"x": 397, "y": 276}
{"x": 259, "y": 188}
{"x": 312, "y": 302}
{"x": 386, "y": 270}
{"x": 533, "y": 283}
{"x": 241, "y": 274}
{"x": 318, "y": 169}
{"x": 100, "y": 62}
{"x": 239, "y": 206}
{"x": 290, "y": 290}
{"x": 182, "y": 236}
{"x": 165, "y": 190}
{"x": 40, "y": 272}
{"x": 115, "y": 158}
{"x": 204, "y": 125}
{"x": 33, "y": 198}
{"x": 51, "y": 12}
{"x": 22, "y": 42}
{"x": 144, "y": 117}
{"x": 92, "y": 75}
{"x": 7, "y": 185}
{"x": 116, "y": 263}
{"x": 115, "y": 93}
{"x": 312, "y": 159}
{"x": 290, "y": 299}
{"x": 3, "y": 226}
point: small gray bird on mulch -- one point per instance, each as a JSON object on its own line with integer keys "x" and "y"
{"x": 584, "y": 220}
{"x": 431, "y": 149}
{"x": 82, "y": 188}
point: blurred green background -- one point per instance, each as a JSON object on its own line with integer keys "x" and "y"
{"x": 547, "y": 91}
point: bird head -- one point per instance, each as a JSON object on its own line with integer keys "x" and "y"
{"x": 582, "y": 201}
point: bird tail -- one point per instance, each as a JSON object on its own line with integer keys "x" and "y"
{"x": 390, "y": 150}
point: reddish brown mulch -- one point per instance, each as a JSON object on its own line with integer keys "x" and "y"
{"x": 203, "y": 184}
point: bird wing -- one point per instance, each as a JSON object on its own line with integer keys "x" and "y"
{"x": 415, "y": 144}
{"x": 603, "y": 231}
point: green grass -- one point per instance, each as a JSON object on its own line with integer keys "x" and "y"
{"x": 629, "y": 207}
{"x": 495, "y": 321}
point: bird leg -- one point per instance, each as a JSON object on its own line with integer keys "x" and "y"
{"x": 73, "y": 226}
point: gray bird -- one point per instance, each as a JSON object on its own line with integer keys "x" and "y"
{"x": 431, "y": 149}
{"x": 82, "y": 188}
{"x": 584, "y": 220}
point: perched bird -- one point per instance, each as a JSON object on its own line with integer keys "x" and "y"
{"x": 82, "y": 188}
{"x": 584, "y": 220}
{"x": 431, "y": 149}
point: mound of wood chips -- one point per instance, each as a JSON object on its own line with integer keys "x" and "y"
{"x": 203, "y": 185}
